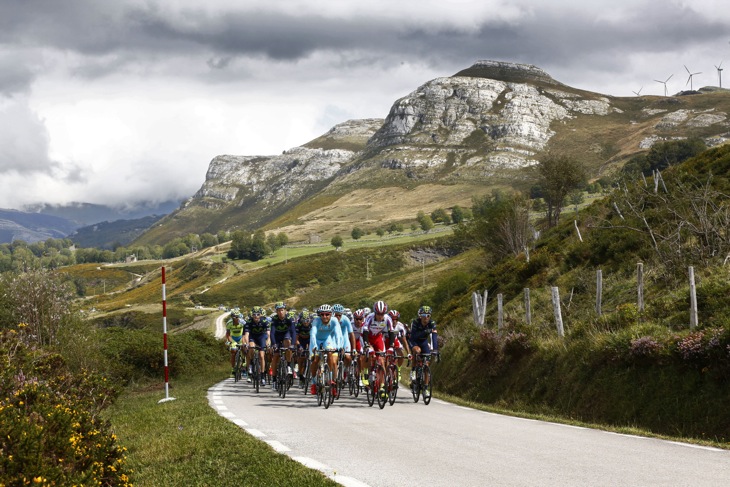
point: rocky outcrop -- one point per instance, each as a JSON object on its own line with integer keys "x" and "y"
{"x": 508, "y": 121}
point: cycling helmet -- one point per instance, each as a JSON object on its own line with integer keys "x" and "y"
{"x": 359, "y": 314}
{"x": 394, "y": 314}
{"x": 325, "y": 308}
{"x": 380, "y": 307}
{"x": 280, "y": 305}
{"x": 424, "y": 311}
{"x": 305, "y": 317}
{"x": 338, "y": 308}
{"x": 257, "y": 310}
{"x": 367, "y": 310}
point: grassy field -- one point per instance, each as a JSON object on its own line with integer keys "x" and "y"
{"x": 185, "y": 442}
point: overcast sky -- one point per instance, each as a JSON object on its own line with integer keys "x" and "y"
{"x": 116, "y": 102}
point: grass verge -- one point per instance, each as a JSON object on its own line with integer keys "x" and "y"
{"x": 185, "y": 442}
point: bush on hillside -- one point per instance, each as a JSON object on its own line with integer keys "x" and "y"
{"x": 50, "y": 430}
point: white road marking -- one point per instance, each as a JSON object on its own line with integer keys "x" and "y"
{"x": 255, "y": 432}
{"x": 278, "y": 446}
{"x": 310, "y": 463}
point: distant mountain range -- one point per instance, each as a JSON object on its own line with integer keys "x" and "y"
{"x": 88, "y": 225}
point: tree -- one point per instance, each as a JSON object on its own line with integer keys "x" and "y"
{"x": 426, "y": 223}
{"x": 357, "y": 233}
{"x": 457, "y": 214}
{"x": 283, "y": 239}
{"x": 501, "y": 225}
{"x": 380, "y": 232}
{"x": 208, "y": 240}
{"x": 439, "y": 215}
{"x": 336, "y": 241}
{"x": 558, "y": 175}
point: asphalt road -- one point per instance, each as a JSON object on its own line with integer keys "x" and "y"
{"x": 410, "y": 444}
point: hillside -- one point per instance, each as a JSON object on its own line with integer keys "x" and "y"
{"x": 449, "y": 140}
{"x": 627, "y": 367}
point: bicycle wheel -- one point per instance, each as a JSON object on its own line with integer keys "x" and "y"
{"x": 319, "y": 388}
{"x": 382, "y": 396}
{"x": 370, "y": 391}
{"x": 416, "y": 385}
{"x": 306, "y": 378}
{"x": 329, "y": 396}
{"x": 355, "y": 379}
{"x": 340, "y": 379}
{"x": 426, "y": 391}
{"x": 393, "y": 384}
{"x": 238, "y": 367}
{"x": 256, "y": 369}
{"x": 281, "y": 377}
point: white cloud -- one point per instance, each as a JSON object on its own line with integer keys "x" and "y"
{"x": 126, "y": 101}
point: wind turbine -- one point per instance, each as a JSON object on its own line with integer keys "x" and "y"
{"x": 689, "y": 80}
{"x": 637, "y": 93}
{"x": 719, "y": 73}
{"x": 665, "y": 83}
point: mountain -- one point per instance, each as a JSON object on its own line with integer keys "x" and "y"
{"x": 451, "y": 139}
{"x": 109, "y": 235}
{"x": 43, "y": 221}
{"x": 89, "y": 213}
{"x": 32, "y": 227}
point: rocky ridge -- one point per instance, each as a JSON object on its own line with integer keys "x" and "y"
{"x": 493, "y": 118}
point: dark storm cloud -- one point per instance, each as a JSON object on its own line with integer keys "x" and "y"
{"x": 112, "y": 34}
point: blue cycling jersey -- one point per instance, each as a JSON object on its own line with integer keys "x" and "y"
{"x": 328, "y": 336}
{"x": 346, "y": 327}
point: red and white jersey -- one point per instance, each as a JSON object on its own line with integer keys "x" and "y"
{"x": 400, "y": 330}
{"x": 376, "y": 327}
{"x": 357, "y": 330}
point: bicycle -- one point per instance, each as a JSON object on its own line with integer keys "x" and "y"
{"x": 341, "y": 373}
{"x": 324, "y": 380}
{"x": 420, "y": 372}
{"x": 374, "y": 382}
{"x": 353, "y": 375}
{"x": 256, "y": 374}
{"x": 240, "y": 361}
{"x": 305, "y": 375}
{"x": 391, "y": 376}
{"x": 284, "y": 376}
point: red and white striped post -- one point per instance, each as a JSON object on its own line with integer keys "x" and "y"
{"x": 164, "y": 340}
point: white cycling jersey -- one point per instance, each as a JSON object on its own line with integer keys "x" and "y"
{"x": 376, "y": 327}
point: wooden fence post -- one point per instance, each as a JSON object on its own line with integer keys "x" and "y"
{"x": 692, "y": 299}
{"x": 599, "y": 291}
{"x": 528, "y": 309}
{"x": 556, "y": 310}
{"x": 479, "y": 307}
{"x": 500, "y": 313}
{"x": 640, "y": 285}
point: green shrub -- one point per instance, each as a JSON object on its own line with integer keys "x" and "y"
{"x": 50, "y": 429}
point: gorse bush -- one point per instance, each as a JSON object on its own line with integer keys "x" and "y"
{"x": 50, "y": 429}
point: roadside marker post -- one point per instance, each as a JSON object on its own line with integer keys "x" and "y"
{"x": 164, "y": 341}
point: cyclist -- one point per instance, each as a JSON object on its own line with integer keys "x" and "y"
{"x": 358, "y": 320}
{"x": 376, "y": 324}
{"x": 257, "y": 335}
{"x": 234, "y": 335}
{"x": 348, "y": 335}
{"x": 400, "y": 344}
{"x": 303, "y": 329}
{"x": 423, "y": 335}
{"x": 326, "y": 334}
{"x": 283, "y": 334}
